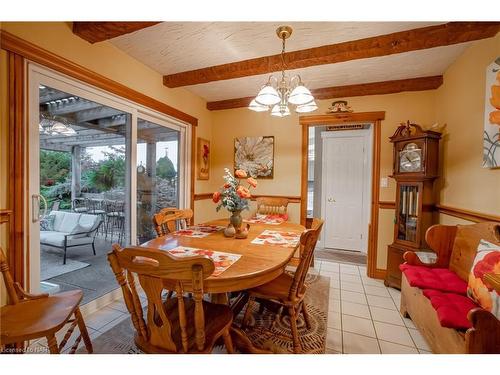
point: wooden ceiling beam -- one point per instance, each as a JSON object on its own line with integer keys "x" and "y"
{"x": 372, "y": 88}
{"x": 381, "y": 45}
{"x": 94, "y": 32}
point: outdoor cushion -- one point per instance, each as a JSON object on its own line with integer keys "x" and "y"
{"x": 57, "y": 239}
{"x": 434, "y": 278}
{"x": 487, "y": 260}
{"x": 90, "y": 222}
{"x": 451, "y": 308}
{"x": 65, "y": 221}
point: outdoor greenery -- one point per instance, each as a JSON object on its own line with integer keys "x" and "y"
{"x": 97, "y": 176}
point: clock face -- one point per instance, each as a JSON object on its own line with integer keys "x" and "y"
{"x": 410, "y": 158}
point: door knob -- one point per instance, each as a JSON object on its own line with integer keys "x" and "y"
{"x": 331, "y": 200}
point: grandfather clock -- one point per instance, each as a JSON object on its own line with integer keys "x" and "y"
{"x": 415, "y": 167}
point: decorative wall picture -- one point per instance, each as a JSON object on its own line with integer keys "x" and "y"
{"x": 203, "y": 159}
{"x": 339, "y": 106}
{"x": 491, "y": 137}
{"x": 255, "y": 155}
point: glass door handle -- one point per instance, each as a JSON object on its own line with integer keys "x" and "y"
{"x": 331, "y": 200}
{"x": 35, "y": 207}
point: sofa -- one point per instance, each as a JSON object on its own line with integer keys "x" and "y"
{"x": 69, "y": 229}
{"x": 435, "y": 297}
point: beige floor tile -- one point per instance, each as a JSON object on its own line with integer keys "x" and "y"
{"x": 334, "y": 305}
{"x": 334, "y": 293}
{"x": 335, "y": 283}
{"x": 334, "y": 267}
{"x": 409, "y": 323}
{"x": 355, "y": 309}
{"x": 114, "y": 322}
{"x": 355, "y": 297}
{"x": 345, "y": 285}
{"x": 348, "y": 268}
{"x": 118, "y": 305}
{"x": 419, "y": 340}
{"x": 102, "y": 317}
{"x": 393, "y": 333}
{"x": 424, "y": 351}
{"x": 347, "y": 277}
{"x": 392, "y": 348}
{"x": 386, "y": 316}
{"x": 369, "y": 281}
{"x": 376, "y": 291}
{"x": 333, "y": 275}
{"x": 394, "y": 293}
{"x": 334, "y": 320}
{"x": 357, "y": 344}
{"x": 334, "y": 339}
{"x": 331, "y": 351}
{"x": 357, "y": 325}
{"x": 384, "y": 302}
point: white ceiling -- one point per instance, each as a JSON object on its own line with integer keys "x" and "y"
{"x": 172, "y": 47}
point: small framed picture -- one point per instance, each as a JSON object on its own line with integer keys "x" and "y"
{"x": 203, "y": 162}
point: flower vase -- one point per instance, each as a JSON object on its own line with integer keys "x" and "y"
{"x": 236, "y": 220}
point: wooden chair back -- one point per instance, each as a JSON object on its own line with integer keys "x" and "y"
{"x": 169, "y": 220}
{"x": 308, "y": 241}
{"x": 272, "y": 205}
{"x": 7, "y": 278}
{"x": 150, "y": 266}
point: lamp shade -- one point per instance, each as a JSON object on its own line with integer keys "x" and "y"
{"x": 254, "y": 106}
{"x": 300, "y": 95}
{"x": 268, "y": 96}
{"x": 308, "y": 107}
{"x": 280, "y": 111}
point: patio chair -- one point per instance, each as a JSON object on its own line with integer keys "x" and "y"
{"x": 115, "y": 218}
{"x": 70, "y": 229}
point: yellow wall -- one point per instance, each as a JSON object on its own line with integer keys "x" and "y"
{"x": 460, "y": 104}
{"x": 233, "y": 123}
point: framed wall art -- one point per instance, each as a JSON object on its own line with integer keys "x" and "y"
{"x": 491, "y": 134}
{"x": 255, "y": 155}
{"x": 203, "y": 162}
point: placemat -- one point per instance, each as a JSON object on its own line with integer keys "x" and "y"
{"x": 222, "y": 261}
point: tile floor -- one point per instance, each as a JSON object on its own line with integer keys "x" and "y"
{"x": 363, "y": 316}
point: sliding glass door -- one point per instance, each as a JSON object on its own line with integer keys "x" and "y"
{"x": 99, "y": 167}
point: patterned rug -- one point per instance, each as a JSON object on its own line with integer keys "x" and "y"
{"x": 261, "y": 331}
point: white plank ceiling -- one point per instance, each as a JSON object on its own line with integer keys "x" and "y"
{"x": 172, "y": 47}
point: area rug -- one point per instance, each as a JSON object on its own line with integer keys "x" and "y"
{"x": 263, "y": 333}
{"x": 51, "y": 265}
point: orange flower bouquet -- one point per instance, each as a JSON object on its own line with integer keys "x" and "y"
{"x": 234, "y": 196}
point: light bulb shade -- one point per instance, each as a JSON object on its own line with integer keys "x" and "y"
{"x": 300, "y": 95}
{"x": 280, "y": 111}
{"x": 308, "y": 107}
{"x": 254, "y": 106}
{"x": 268, "y": 96}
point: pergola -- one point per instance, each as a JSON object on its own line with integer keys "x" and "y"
{"x": 95, "y": 125}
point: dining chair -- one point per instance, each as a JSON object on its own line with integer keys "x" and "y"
{"x": 170, "y": 219}
{"x": 173, "y": 325}
{"x": 272, "y": 205}
{"x": 29, "y": 317}
{"x": 289, "y": 290}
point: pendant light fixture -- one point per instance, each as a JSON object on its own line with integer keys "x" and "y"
{"x": 276, "y": 95}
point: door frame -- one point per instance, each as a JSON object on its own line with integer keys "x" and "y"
{"x": 367, "y": 137}
{"x": 374, "y": 118}
{"x": 19, "y": 51}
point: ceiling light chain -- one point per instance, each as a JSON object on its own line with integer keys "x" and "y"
{"x": 276, "y": 95}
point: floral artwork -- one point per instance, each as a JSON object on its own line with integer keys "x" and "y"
{"x": 255, "y": 155}
{"x": 487, "y": 261}
{"x": 277, "y": 238}
{"x": 199, "y": 231}
{"x": 222, "y": 261}
{"x": 203, "y": 159}
{"x": 491, "y": 135}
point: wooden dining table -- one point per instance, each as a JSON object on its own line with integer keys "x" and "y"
{"x": 257, "y": 265}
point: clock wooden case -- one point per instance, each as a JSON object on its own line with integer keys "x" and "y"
{"x": 415, "y": 167}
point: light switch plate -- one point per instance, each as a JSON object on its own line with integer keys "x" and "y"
{"x": 384, "y": 182}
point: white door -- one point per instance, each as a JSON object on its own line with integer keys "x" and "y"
{"x": 345, "y": 179}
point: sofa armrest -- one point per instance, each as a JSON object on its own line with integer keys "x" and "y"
{"x": 88, "y": 233}
{"x": 484, "y": 336}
